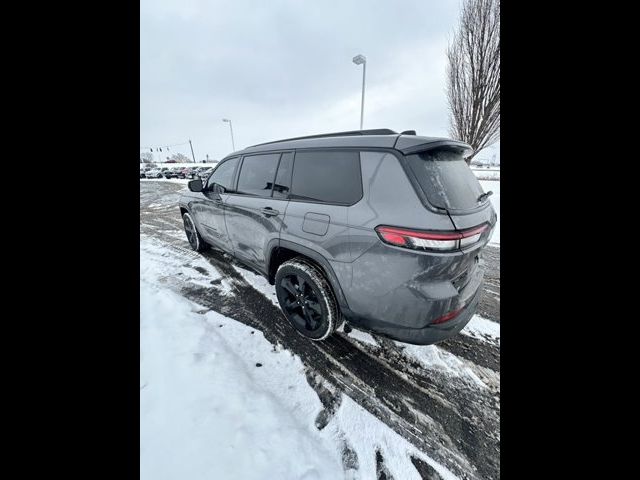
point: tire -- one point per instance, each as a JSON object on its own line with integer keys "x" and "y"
{"x": 306, "y": 299}
{"x": 193, "y": 237}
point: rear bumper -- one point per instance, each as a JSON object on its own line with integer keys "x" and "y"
{"x": 400, "y": 294}
{"x": 432, "y": 333}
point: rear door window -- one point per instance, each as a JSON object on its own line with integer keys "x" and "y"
{"x": 446, "y": 179}
{"x": 327, "y": 176}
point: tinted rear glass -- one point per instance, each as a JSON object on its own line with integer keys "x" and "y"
{"x": 327, "y": 176}
{"x": 446, "y": 179}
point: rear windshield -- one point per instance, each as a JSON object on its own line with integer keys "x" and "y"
{"x": 446, "y": 179}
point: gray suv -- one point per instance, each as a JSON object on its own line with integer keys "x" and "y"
{"x": 383, "y": 230}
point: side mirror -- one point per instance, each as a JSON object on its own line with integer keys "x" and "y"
{"x": 195, "y": 185}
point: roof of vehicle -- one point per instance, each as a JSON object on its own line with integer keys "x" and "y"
{"x": 406, "y": 142}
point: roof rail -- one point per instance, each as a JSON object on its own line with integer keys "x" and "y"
{"x": 378, "y": 131}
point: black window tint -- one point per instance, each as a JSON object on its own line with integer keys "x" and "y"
{"x": 223, "y": 174}
{"x": 283, "y": 178}
{"x": 257, "y": 174}
{"x": 327, "y": 176}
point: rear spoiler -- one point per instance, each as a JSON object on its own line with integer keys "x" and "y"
{"x": 411, "y": 144}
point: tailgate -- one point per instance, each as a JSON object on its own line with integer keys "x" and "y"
{"x": 449, "y": 185}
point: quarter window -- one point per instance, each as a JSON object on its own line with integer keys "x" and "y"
{"x": 327, "y": 176}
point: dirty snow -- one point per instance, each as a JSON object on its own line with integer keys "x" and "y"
{"x": 166, "y": 263}
{"x": 208, "y": 411}
{"x": 363, "y": 337}
{"x": 482, "y": 329}
{"x": 365, "y": 433}
{"x": 435, "y": 358}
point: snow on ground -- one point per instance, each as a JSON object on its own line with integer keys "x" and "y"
{"x": 494, "y": 186}
{"x": 434, "y": 358}
{"x": 167, "y": 265}
{"x": 207, "y": 410}
{"x": 363, "y": 337}
{"x": 183, "y": 181}
{"x": 482, "y": 329}
{"x": 365, "y": 433}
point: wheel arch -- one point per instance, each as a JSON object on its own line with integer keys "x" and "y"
{"x": 283, "y": 250}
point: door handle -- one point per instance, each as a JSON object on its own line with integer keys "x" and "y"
{"x": 268, "y": 211}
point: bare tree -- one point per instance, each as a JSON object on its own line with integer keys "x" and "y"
{"x": 473, "y": 75}
{"x": 146, "y": 157}
{"x": 180, "y": 158}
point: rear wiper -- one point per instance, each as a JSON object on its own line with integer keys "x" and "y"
{"x": 484, "y": 195}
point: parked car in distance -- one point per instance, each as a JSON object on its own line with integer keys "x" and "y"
{"x": 172, "y": 172}
{"x": 154, "y": 173}
{"x": 205, "y": 174}
{"x": 144, "y": 170}
{"x": 178, "y": 172}
{"x": 189, "y": 172}
{"x": 200, "y": 171}
{"x": 379, "y": 229}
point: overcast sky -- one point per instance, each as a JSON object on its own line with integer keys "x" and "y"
{"x": 282, "y": 68}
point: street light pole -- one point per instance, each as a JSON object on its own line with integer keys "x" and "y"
{"x": 192, "y": 154}
{"x": 233, "y": 145}
{"x": 361, "y": 60}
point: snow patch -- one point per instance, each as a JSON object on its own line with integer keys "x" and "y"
{"x": 164, "y": 262}
{"x": 482, "y": 329}
{"x": 366, "y": 434}
{"x": 434, "y": 358}
{"x": 363, "y": 337}
{"x": 207, "y": 410}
